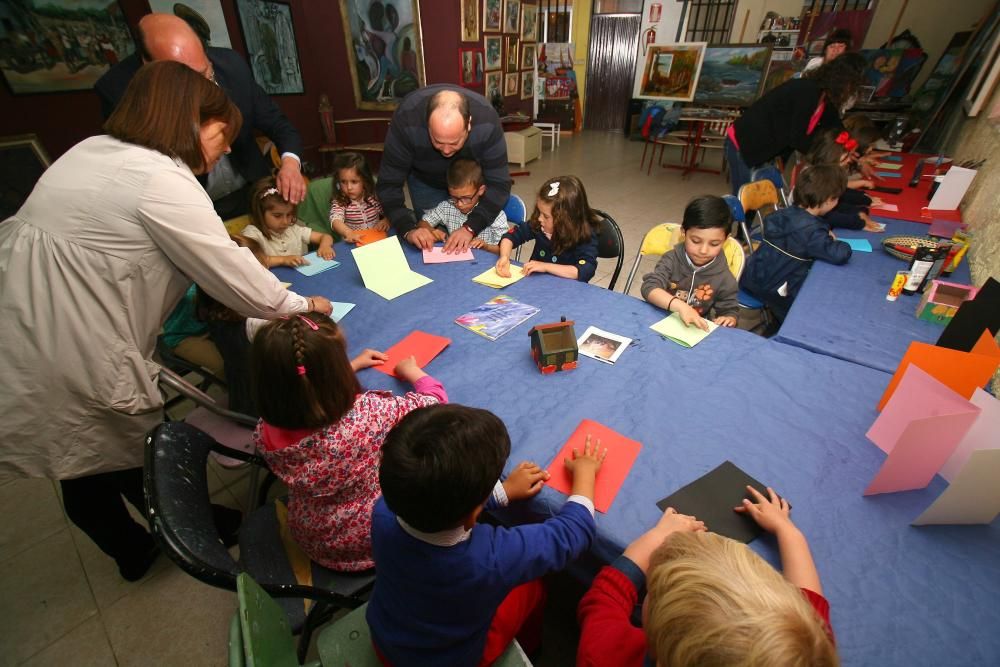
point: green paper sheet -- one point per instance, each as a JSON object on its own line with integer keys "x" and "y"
{"x": 673, "y": 328}
{"x": 490, "y": 278}
{"x": 384, "y": 269}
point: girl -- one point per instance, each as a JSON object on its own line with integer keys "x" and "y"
{"x": 274, "y": 226}
{"x": 851, "y": 212}
{"x": 355, "y": 206}
{"x": 322, "y": 435}
{"x": 564, "y": 229}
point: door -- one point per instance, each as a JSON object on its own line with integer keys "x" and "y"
{"x": 610, "y": 66}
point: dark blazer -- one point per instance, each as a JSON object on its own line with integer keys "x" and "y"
{"x": 234, "y": 76}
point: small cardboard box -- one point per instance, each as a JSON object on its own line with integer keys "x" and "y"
{"x": 942, "y": 299}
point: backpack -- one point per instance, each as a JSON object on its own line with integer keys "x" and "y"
{"x": 656, "y": 121}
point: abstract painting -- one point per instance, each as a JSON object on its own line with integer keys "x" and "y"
{"x": 493, "y": 47}
{"x": 671, "y": 72}
{"x": 512, "y": 16}
{"x": 470, "y": 20}
{"x": 205, "y": 16}
{"x": 492, "y": 15}
{"x": 271, "y": 48}
{"x": 732, "y": 74}
{"x": 529, "y": 23}
{"x": 384, "y": 51}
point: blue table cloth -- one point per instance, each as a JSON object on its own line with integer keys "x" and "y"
{"x": 841, "y": 311}
{"x": 793, "y": 419}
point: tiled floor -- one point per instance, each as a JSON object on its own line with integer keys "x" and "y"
{"x": 62, "y": 601}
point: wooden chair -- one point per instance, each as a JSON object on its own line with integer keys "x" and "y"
{"x": 364, "y": 135}
{"x": 756, "y": 196}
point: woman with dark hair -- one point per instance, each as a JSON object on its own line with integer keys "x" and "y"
{"x": 787, "y": 117}
{"x": 105, "y": 246}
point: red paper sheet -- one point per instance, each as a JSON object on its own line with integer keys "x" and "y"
{"x": 621, "y": 455}
{"x": 912, "y": 202}
{"x": 423, "y": 346}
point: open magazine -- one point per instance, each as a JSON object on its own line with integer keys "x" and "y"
{"x": 496, "y": 317}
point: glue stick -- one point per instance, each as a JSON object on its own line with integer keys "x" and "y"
{"x": 897, "y": 285}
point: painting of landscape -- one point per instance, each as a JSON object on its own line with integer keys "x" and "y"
{"x": 732, "y": 74}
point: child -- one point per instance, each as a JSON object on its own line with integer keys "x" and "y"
{"x": 794, "y": 237}
{"x": 564, "y": 229}
{"x": 320, "y": 433}
{"x": 694, "y": 278}
{"x": 465, "y": 186}
{"x": 355, "y": 206}
{"x": 274, "y": 226}
{"x": 710, "y": 600}
{"x": 451, "y": 591}
{"x": 851, "y": 212}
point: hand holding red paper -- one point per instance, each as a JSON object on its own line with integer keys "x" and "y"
{"x": 423, "y": 347}
{"x": 621, "y": 454}
{"x": 367, "y": 359}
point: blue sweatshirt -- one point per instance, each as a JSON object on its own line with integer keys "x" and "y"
{"x": 583, "y": 256}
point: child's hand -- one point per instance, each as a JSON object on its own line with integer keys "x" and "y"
{"x": 503, "y": 267}
{"x": 870, "y": 225}
{"x": 690, "y": 316}
{"x": 725, "y": 321}
{"x": 382, "y": 225}
{"x": 534, "y": 266}
{"x": 368, "y": 358}
{"x": 671, "y": 522}
{"x": 322, "y": 305}
{"x": 477, "y": 243}
{"x": 352, "y": 237}
{"x": 876, "y": 201}
{"x": 326, "y": 251}
{"x": 408, "y": 370}
{"x": 439, "y": 234}
{"x": 525, "y": 481}
{"x": 832, "y": 235}
{"x": 773, "y": 514}
{"x": 292, "y": 260}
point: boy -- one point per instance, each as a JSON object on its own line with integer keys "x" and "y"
{"x": 451, "y": 591}
{"x": 693, "y": 279}
{"x": 465, "y": 186}
{"x": 794, "y": 237}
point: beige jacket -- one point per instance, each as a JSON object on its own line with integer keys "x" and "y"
{"x": 90, "y": 267}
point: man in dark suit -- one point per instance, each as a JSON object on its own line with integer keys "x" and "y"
{"x": 167, "y": 37}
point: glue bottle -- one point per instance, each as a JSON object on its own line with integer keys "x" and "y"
{"x": 923, "y": 260}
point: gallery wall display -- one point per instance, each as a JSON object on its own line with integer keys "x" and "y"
{"x": 492, "y": 15}
{"x": 512, "y": 16}
{"x": 510, "y": 55}
{"x": 470, "y": 67}
{"x": 384, "y": 51}
{"x": 732, "y": 74}
{"x": 22, "y": 161}
{"x": 271, "y": 48}
{"x": 670, "y": 71}
{"x": 493, "y": 49}
{"x": 494, "y": 85}
{"x": 470, "y": 20}
{"x": 529, "y": 23}
{"x": 511, "y": 84}
{"x": 527, "y": 84}
{"x": 205, "y": 16}
{"x": 528, "y": 56}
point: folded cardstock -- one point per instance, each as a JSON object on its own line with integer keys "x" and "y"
{"x": 622, "y": 453}
{"x": 423, "y": 346}
{"x": 340, "y": 309}
{"x": 384, "y": 269}
{"x": 983, "y": 312}
{"x": 712, "y": 497}
{"x": 316, "y": 265}
{"x": 436, "y": 255}
{"x": 984, "y": 434}
{"x": 491, "y": 278}
{"x": 964, "y": 372}
{"x": 886, "y": 174}
{"x": 370, "y": 236}
{"x": 885, "y": 207}
{"x": 857, "y": 245}
{"x": 673, "y": 328}
{"x": 953, "y": 187}
{"x": 888, "y": 165}
{"x": 973, "y": 495}
{"x": 945, "y": 229}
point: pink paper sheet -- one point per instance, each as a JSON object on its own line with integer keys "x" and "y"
{"x": 984, "y": 434}
{"x": 436, "y": 256}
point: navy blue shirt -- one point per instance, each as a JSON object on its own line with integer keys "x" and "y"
{"x": 583, "y": 256}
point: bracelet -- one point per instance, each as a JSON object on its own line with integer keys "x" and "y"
{"x": 670, "y": 303}
{"x": 468, "y": 229}
{"x": 312, "y": 304}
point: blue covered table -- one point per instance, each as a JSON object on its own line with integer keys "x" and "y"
{"x": 841, "y": 311}
{"x": 793, "y": 419}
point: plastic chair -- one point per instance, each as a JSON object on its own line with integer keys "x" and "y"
{"x": 178, "y": 366}
{"x": 180, "y": 516}
{"x": 517, "y": 214}
{"x": 259, "y": 633}
{"x": 754, "y": 197}
{"x": 664, "y": 237}
{"x": 771, "y": 173}
{"x": 610, "y": 244}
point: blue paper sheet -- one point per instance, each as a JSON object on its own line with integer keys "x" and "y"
{"x": 893, "y": 158}
{"x": 340, "y": 310}
{"x": 887, "y": 174}
{"x": 316, "y": 265}
{"x": 857, "y": 245}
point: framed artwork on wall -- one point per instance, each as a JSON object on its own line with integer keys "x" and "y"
{"x": 382, "y": 77}
{"x": 494, "y": 85}
{"x": 512, "y": 16}
{"x": 470, "y": 67}
{"x": 510, "y": 55}
{"x": 511, "y": 84}
{"x": 732, "y": 74}
{"x": 271, "y": 48}
{"x": 205, "y": 16}
{"x": 61, "y": 45}
{"x": 22, "y": 161}
{"x": 529, "y": 23}
{"x": 492, "y": 15}
{"x": 527, "y": 84}
{"x": 670, "y": 72}
{"x": 527, "y": 56}
{"x": 470, "y": 20}
{"x": 492, "y": 46}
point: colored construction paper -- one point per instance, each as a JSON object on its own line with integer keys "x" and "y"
{"x": 491, "y": 278}
{"x": 885, "y": 207}
{"x": 984, "y": 434}
{"x": 945, "y": 229}
{"x": 983, "y": 312}
{"x": 436, "y": 255}
{"x": 972, "y": 497}
{"x": 423, "y": 346}
{"x": 886, "y": 174}
{"x": 857, "y": 245}
{"x": 340, "y": 309}
{"x": 888, "y": 165}
{"x": 673, "y": 328}
{"x": 384, "y": 269}
{"x": 893, "y": 158}
{"x": 622, "y": 453}
{"x": 316, "y": 265}
{"x": 712, "y": 497}
{"x": 952, "y": 189}
{"x": 920, "y": 429}
{"x": 964, "y": 372}
{"x": 370, "y": 236}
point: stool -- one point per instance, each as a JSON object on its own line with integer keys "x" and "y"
{"x": 550, "y": 131}
{"x": 524, "y": 145}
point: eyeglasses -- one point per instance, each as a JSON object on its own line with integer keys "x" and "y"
{"x": 463, "y": 200}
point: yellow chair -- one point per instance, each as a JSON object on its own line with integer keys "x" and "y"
{"x": 664, "y": 237}
{"x": 236, "y": 225}
{"x": 754, "y": 197}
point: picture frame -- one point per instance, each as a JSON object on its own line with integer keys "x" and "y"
{"x": 528, "y": 56}
{"x": 512, "y": 16}
{"x": 52, "y": 48}
{"x": 529, "y": 23}
{"x": 558, "y": 87}
{"x": 470, "y": 67}
{"x": 492, "y": 15}
{"x": 269, "y": 35}
{"x": 670, "y": 72}
{"x": 204, "y": 16}
{"x": 527, "y": 84}
{"x": 494, "y": 84}
{"x": 23, "y": 159}
{"x": 732, "y": 74}
{"x": 470, "y": 20}
{"x": 373, "y": 90}
{"x": 510, "y": 55}
{"x": 511, "y": 85}
{"x": 492, "y": 52}
{"x": 784, "y": 65}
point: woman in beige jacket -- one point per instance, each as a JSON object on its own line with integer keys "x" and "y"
{"x": 104, "y": 247}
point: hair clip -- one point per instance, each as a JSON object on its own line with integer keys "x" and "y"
{"x": 309, "y": 323}
{"x": 843, "y": 138}
{"x": 301, "y": 370}
{"x": 851, "y": 145}
{"x": 553, "y": 189}
{"x": 269, "y": 192}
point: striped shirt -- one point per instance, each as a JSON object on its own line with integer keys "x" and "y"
{"x": 357, "y": 215}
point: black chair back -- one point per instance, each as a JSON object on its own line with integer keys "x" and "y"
{"x": 610, "y": 243}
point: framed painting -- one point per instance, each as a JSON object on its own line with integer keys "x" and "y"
{"x": 783, "y": 66}
{"x": 511, "y": 84}
{"x": 527, "y": 84}
{"x": 512, "y": 16}
{"x": 470, "y": 67}
{"x": 22, "y": 161}
{"x": 494, "y": 85}
{"x": 492, "y": 46}
{"x": 205, "y": 16}
{"x": 383, "y": 76}
{"x": 732, "y": 74}
{"x": 271, "y": 49}
{"x": 529, "y": 23}
{"x": 470, "y": 20}
{"x": 492, "y": 15}
{"x": 671, "y": 72}
{"x": 61, "y": 45}
{"x": 527, "y": 56}
{"x": 510, "y": 55}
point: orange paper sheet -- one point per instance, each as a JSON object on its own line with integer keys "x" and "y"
{"x": 964, "y": 372}
{"x": 622, "y": 453}
{"x": 423, "y": 346}
{"x": 370, "y": 236}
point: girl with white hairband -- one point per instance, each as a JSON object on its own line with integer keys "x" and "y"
{"x": 275, "y": 226}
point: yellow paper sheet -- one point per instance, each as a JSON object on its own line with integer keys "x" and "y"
{"x": 286, "y": 285}
{"x": 384, "y": 268}
{"x": 673, "y": 327}
{"x": 889, "y": 165}
{"x": 490, "y": 278}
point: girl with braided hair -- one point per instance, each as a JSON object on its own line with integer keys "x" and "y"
{"x": 322, "y": 434}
